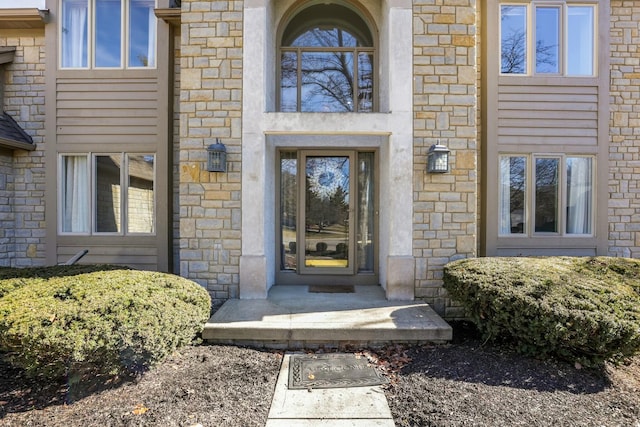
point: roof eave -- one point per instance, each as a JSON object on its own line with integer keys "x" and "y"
{"x": 170, "y": 15}
{"x": 7, "y": 54}
{"x": 23, "y": 18}
{"x": 16, "y": 145}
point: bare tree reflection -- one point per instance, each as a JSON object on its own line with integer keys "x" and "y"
{"x": 546, "y": 209}
{"x": 328, "y": 72}
{"x": 513, "y": 48}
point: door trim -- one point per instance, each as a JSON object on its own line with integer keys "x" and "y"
{"x": 326, "y": 276}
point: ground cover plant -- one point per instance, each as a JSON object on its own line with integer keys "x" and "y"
{"x": 581, "y": 309}
{"x": 70, "y": 321}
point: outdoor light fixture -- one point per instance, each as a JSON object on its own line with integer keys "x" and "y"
{"x": 438, "y": 159}
{"x": 217, "y": 157}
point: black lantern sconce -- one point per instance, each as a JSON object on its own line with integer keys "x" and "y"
{"x": 217, "y": 157}
{"x": 438, "y": 159}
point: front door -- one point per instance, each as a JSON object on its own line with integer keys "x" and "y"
{"x": 327, "y": 217}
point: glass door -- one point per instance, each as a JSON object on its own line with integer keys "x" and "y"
{"x": 327, "y": 216}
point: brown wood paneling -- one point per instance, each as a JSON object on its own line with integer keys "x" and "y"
{"x": 135, "y": 256}
{"x": 97, "y": 140}
{"x": 106, "y": 110}
{"x": 539, "y": 115}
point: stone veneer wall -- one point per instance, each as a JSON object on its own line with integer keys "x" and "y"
{"x": 445, "y": 108}
{"x": 210, "y": 107}
{"x": 7, "y": 221}
{"x": 624, "y": 149}
{"x": 24, "y": 95}
{"x": 175, "y": 166}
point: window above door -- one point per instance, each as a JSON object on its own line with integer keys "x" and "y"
{"x": 327, "y": 62}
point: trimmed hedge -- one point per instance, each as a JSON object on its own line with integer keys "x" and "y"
{"x": 576, "y": 308}
{"x": 64, "y": 319}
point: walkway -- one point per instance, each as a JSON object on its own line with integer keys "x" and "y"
{"x": 353, "y": 406}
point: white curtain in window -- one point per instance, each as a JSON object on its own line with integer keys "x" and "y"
{"x": 580, "y": 33}
{"x": 505, "y": 196}
{"x": 579, "y": 195}
{"x": 75, "y": 195}
{"x": 74, "y": 33}
{"x": 151, "y": 48}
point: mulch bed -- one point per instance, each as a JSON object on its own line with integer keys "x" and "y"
{"x": 460, "y": 384}
{"x": 467, "y": 383}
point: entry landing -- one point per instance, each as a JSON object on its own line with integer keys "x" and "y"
{"x": 292, "y": 317}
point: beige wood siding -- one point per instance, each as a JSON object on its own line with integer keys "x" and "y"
{"x": 133, "y": 253}
{"x": 540, "y": 115}
{"x": 536, "y": 115}
{"x": 106, "y": 111}
{"x": 100, "y": 114}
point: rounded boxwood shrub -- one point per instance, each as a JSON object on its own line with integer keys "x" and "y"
{"x": 117, "y": 321}
{"x": 577, "y": 308}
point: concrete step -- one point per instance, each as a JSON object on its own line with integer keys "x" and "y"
{"x": 292, "y": 317}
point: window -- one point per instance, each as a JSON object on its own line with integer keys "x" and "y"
{"x": 107, "y": 193}
{"x": 326, "y": 62}
{"x": 108, "y": 34}
{"x": 558, "y": 39}
{"x": 559, "y": 184}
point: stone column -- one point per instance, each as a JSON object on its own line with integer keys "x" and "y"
{"x": 445, "y": 108}
{"x": 210, "y": 108}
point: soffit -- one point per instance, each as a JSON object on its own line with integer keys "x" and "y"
{"x": 169, "y": 14}
{"x": 18, "y": 19}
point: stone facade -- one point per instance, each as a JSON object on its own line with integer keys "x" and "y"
{"x": 445, "y": 108}
{"x": 7, "y": 221}
{"x": 624, "y": 131}
{"x": 175, "y": 167}
{"x": 207, "y": 89}
{"x": 24, "y": 100}
{"x": 210, "y": 108}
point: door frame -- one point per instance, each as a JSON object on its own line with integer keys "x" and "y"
{"x": 327, "y": 276}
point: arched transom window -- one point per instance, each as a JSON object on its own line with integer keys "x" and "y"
{"x": 327, "y": 62}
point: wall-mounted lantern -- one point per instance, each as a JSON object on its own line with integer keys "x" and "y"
{"x": 217, "y": 157}
{"x": 438, "y": 159}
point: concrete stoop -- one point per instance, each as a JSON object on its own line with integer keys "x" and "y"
{"x": 292, "y": 317}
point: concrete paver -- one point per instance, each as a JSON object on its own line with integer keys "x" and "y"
{"x": 351, "y": 406}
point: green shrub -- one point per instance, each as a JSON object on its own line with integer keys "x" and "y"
{"x": 118, "y": 321}
{"x": 15, "y": 278}
{"x": 580, "y": 309}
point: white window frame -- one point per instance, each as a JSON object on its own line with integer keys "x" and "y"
{"x": 530, "y": 43}
{"x": 124, "y": 191}
{"x": 530, "y": 185}
{"x": 91, "y": 40}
